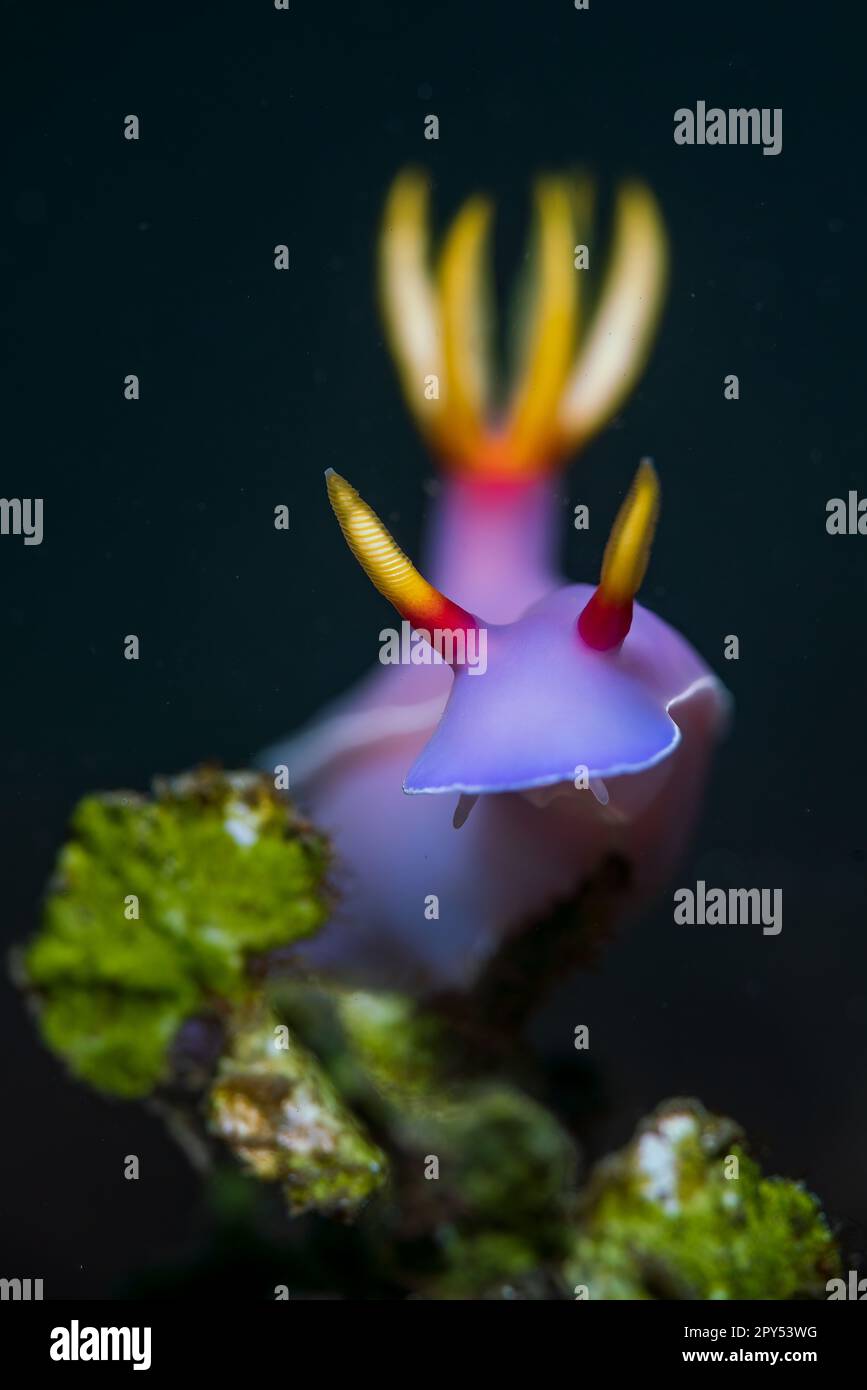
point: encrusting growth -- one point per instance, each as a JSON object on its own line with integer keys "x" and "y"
{"x": 157, "y": 907}
{"x": 683, "y": 1212}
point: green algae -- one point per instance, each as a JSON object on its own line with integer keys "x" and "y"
{"x": 684, "y": 1212}
{"x": 156, "y": 908}
{"x": 401, "y": 1048}
{"x": 482, "y": 1173}
{"x": 354, "y": 1101}
{"x": 509, "y": 1169}
{"x": 274, "y": 1105}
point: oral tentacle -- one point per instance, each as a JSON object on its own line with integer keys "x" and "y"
{"x": 462, "y": 810}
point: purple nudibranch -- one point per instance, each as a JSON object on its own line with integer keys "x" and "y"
{"x": 539, "y": 726}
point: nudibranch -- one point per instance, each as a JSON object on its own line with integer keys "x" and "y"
{"x": 466, "y": 798}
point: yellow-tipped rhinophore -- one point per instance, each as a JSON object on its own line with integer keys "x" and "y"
{"x": 387, "y": 567}
{"x": 628, "y": 550}
{"x": 604, "y": 622}
{"x": 437, "y": 325}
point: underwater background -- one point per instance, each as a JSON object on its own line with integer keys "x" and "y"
{"x": 156, "y": 257}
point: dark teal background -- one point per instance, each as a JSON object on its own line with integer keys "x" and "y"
{"x": 155, "y": 257}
